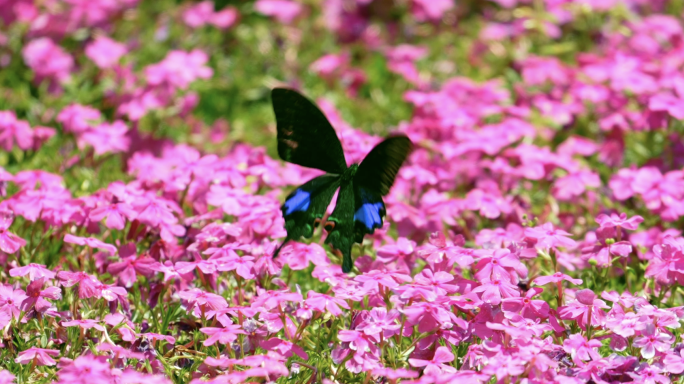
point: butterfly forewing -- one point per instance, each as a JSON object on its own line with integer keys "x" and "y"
{"x": 305, "y": 137}
{"x": 379, "y": 168}
{"x": 340, "y": 225}
{"x": 307, "y": 204}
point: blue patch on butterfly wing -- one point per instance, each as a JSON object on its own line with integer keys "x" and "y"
{"x": 299, "y": 201}
{"x": 369, "y": 215}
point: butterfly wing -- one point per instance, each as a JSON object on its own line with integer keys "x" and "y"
{"x": 307, "y": 204}
{"x": 373, "y": 180}
{"x": 305, "y": 137}
{"x": 379, "y": 168}
{"x": 340, "y": 225}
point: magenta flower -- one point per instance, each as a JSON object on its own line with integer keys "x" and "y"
{"x": 429, "y": 316}
{"x": 105, "y": 52}
{"x": 35, "y": 296}
{"x": 580, "y": 349}
{"x": 500, "y": 264}
{"x": 179, "y": 69}
{"x": 34, "y": 272}
{"x": 11, "y": 299}
{"x": 285, "y": 11}
{"x": 555, "y": 278}
{"x": 374, "y": 279}
{"x": 651, "y": 341}
{"x": 575, "y": 184}
{"x": 107, "y": 138}
{"x": 649, "y": 374}
{"x": 525, "y": 306}
{"x": 203, "y": 13}
{"x": 436, "y": 365}
{"x": 38, "y": 355}
{"x": 87, "y": 285}
{"x": 115, "y": 214}
{"x": 78, "y": 118}
{"x": 225, "y": 335}
{"x": 128, "y": 268}
{"x": 84, "y": 324}
{"x": 48, "y": 60}
{"x": 14, "y": 131}
{"x": 284, "y": 347}
{"x": 620, "y": 220}
{"x": 494, "y": 291}
{"x": 321, "y": 302}
{"x": 379, "y": 320}
{"x": 548, "y": 237}
{"x": 674, "y": 362}
{"x": 9, "y": 242}
{"x": 586, "y": 304}
{"x": 90, "y": 242}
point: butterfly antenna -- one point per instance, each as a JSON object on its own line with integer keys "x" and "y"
{"x": 277, "y": 251}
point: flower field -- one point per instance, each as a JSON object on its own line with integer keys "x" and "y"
{"x": 534, "y": 235}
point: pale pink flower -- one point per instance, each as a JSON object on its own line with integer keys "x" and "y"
{"x": 39, "y": 355}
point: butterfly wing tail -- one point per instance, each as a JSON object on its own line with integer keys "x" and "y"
{"x": 347, "y": 263}
{"x": 277, "y": 250}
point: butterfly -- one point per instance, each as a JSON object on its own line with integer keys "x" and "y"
{"x": 306, "y": 138}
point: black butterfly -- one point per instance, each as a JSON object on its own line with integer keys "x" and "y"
{"x": 306, "y": 138}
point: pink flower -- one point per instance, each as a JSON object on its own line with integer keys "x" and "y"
{"x": 203, "y": 13}
{"x": 651, "y": 340}
{"x": 438, "y": 281}
{"x": 284, "y": 347}
{"x": 586, "y": 305}
{"x": 34, "y": 272}
{"x": 14, "y": 131}
{"x": 179, "y": 69}
{"x": 580, "y": 349}
{"x": 39, "y": 355}
{"x": 548, "y": 237}
{"x": 321, "y": 302}
{"x": 91, "y": 242}
{"x": 575, "y": 184}
{"x": 106, "y": 138}
{"x": 48, "y": 60}
{"x": 87, "y": 285}
{"x": 436, "y": 365}
{"x": 674, "y": 362}
{"x": 85, "y": 324}
{"x": 9, "y": 242}
{"x": 104, "y": 51}
{"x": 493, "y": 291}
{"x": 115, "y": 214}
{"x": 501, "y": 265}
{"x": 129, "y": 267}
{"x": 555, "y": 278}
{"x": 430, "y": 10}
{"x": 35, "y": 296}
{"x": 285, "y": 11}
{"x": 78, "y": 118}
{"x": 525, "y": 306}
{"x": 379, "y": 320}
{"x": 620, "y": 220}
{"x": 649, "y": 374}
{"x": 10, "y": 300}
{"x": 225, "y": 335}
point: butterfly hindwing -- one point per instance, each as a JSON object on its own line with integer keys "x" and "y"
{"x": 379, "y": 168}
{"x": 340, "y": 225}
{"x": 305, "y": 137}
{"x": 307, "y": 204}
{"x": 369, "y": 211}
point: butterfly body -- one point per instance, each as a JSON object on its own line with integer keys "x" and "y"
{"x": 305, "y": 137}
